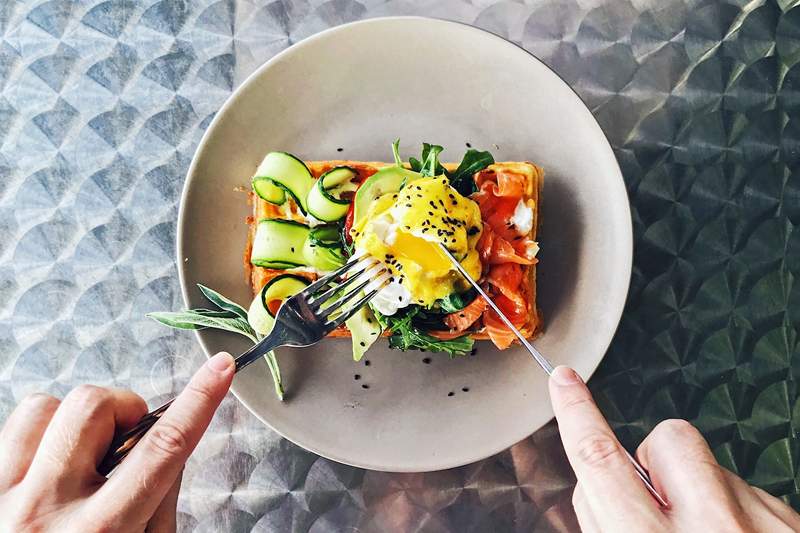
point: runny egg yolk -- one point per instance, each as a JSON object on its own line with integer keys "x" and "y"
{"x": 403, "y": 229}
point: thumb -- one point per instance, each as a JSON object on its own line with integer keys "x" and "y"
{"x": 603, "y": 470}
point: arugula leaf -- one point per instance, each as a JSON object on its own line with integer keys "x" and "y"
{"x": 405, "y": 336}
{"x": 429, "y": 164}
{"x": 222, "y": 302}
{"x": 396, "y": 153}
{"x": 462, "y": 178}
{"x": 457, "y": 301}
{"x": 430, "y": 160}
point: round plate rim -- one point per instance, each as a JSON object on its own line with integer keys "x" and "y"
{"x": 444, "y": 463}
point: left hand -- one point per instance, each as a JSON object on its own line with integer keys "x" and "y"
{"x": 50, "y": 449}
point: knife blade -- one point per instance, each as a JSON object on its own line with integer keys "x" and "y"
{"x": 546, "y": 366}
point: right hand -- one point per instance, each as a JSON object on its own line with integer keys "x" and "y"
{"x": 609, "y": 497}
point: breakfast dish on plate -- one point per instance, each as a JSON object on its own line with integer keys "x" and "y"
{"x": 309, "y": 218}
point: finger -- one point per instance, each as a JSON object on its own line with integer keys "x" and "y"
{"x": 21, "y": 435}
{"x": 608, "y": 480}
{"x": 583, "y": 512}
{"x": 680, "y": 461}
{"x": 773, "y": 508}
{"x": 164, "y": 520}
{"x": 133, "y": 493}
{"x": 79, "y": 433}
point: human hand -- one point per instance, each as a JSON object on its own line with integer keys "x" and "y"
{"x": 609, "y": 497}
{"x": 50, "y": 449}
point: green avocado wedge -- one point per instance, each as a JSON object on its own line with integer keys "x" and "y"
{"x": 387, "y": 179}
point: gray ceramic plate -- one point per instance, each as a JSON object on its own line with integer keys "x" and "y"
{"x": 358, "y": 87}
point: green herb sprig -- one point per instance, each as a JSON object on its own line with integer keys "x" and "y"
{"x": 229, "y": 316}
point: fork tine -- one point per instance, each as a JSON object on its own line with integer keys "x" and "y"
{"x": 317, "y": 301}
{"x": 353, "y": 310}
{"x": 324, "y": 280}
{"x": 337, "y": 305}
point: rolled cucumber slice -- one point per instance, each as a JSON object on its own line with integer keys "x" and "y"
{"x": 261, "y": 314}
{"x": 279, "y": 244}
{"x": 266, "y": 189}
{"x": 322, "y": 257}
{"x": 325, "y": 200}
{"x": 284, "y": 244}
{"x": 286, "y": 172}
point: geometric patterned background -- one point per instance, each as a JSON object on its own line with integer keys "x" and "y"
{"x": 102, "y": 104}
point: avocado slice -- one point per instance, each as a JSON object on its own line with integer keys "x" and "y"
{"x": 364, "y": 330}
{"x": 387, "y": 179}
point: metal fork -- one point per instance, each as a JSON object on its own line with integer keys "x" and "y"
{"x": 303, "y": 319}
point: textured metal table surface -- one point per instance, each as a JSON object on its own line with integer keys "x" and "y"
{"x": 102, "y": 104}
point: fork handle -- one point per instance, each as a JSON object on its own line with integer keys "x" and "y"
{"x": 123, "y": 443}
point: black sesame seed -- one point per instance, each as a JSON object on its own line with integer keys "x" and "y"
{"x": 408, "y": 205}
{"x": 430, "y": 213}
{"x": 441, "y": 203}
{"x": 366, "y": 362}
{"x": 364, "y": 386}
{"x": 357, "y": 377}
{"x": 469, "y": 145}
{"x": 465, "y": 389}
{"x": 399, "y": 298}
{"x": 340, "y": 149}
{"x": 362, "y": 343}
{"x": 461, "y": 315}
{"x": 427, "y": 360}
{"x": 292, "y": 249}
{"x": 451, "y": 393}
{"x": 473, "y": 230}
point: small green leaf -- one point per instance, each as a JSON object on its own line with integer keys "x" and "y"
{"x": 396, "y": 153}
{"x": 179, "y": 320}
{"x": 212, "y": 313}
{"x": 405, "y": 336}
{"x": 457, "y": 301}
{"x": 195, "y": 320}
{"x": 462, "y": 179}
{"x": 222, "y": 302}
{"x": 430, "y": 160}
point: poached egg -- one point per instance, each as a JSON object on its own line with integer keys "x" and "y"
{"x": 402, "y": 230}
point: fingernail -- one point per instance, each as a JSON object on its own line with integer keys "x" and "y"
{"x": 564, "y": 375}
{"x": 220, "y": 362}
